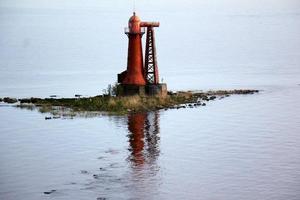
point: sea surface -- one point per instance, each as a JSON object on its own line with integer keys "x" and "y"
{"x": 240, "y": 147}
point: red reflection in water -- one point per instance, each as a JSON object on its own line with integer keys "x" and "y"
{"x": 143, "y": 137}
{"x": 136, "y": 124}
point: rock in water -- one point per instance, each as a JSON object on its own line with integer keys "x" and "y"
{"x": 212, "y": 98}
{"x": 49, "y": 192}
{"x": 10, "y": 100}
{"x": 84, "y": 172}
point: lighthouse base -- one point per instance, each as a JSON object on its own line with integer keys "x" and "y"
{"x": 130, "y": 90}
{"x": 157, "y": 89}
{"x": 150, "y": 90}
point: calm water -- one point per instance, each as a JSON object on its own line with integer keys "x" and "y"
{"x": 241, "y": 147}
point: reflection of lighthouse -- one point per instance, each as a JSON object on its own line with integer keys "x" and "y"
{"x": 143, "y": 137}
{"x": 136, "y": 123}
{"x": 140, "y": 79}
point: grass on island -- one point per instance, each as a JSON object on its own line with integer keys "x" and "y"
{"x": 126, "y": 104}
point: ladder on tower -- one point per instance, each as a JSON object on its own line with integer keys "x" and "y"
{"x": 151, "y": 68}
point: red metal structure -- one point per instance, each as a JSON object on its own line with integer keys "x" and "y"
{"x": 140, "y": 78}
{"x": 136, "y": 74}
{"x": 151, "y": 68}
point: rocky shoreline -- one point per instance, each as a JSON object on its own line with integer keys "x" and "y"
{"x": 125, "y": 105}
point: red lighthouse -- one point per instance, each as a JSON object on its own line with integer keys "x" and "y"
{"x": 140, "y": 78}
{"x": 134, "y": 75}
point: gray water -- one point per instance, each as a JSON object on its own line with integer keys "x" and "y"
{"x": 241, "y": 147}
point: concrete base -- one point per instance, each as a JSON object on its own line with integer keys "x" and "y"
{"x": 157, "y": 89}
{"x": 151, "y": 90}
{"x": 130, "y": 90}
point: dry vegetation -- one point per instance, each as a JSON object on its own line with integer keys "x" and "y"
{"x": 123, "y": 105}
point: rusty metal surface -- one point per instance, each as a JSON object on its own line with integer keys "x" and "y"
{"x": 136, "y": 73}
{"x": 151, "y": 68}
{"x": 135, "y": 67}
{"x": 149, "y": 24}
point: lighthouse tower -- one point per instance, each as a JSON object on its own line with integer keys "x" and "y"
{"x": 140, "y": 78}
{"x": 134, "y": 75}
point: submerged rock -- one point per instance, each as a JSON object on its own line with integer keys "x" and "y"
{"x": 212, "y": 98}
{"x": 84, "y": 172}
{"x": 50, "y": 192}
{"x": 96, "y": 176}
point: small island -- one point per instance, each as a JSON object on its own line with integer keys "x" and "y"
{"x": 120, "y": 105}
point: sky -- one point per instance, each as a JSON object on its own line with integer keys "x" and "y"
{"x": 230, "y": 5}
{"x": 65, "y": 37}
